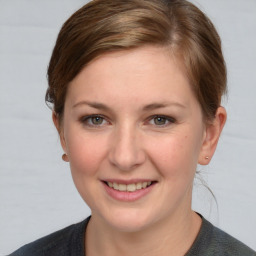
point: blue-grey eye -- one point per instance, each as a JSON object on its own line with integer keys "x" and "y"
{"x": 97, "y": 120}
{"x": 160, "y": 120}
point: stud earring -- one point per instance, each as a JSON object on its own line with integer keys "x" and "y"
{"x": 65, "y": 157}
{"x": 207, "y": 157}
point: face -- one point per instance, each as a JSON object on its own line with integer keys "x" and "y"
{"x": 133, "y": 132}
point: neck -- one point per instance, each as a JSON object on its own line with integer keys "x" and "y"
{"x": 174, "y": 236}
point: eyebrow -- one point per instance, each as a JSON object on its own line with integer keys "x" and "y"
{"x": 154, "y": 106}
{"x": 96, "y": 105}
{"x": 148, "y": 107}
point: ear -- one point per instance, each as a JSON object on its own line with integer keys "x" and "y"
{"x": 212, "y": 135}
{"x": 59, "y": 128}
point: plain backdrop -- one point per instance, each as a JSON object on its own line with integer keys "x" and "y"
{"x": 37, "y": 195}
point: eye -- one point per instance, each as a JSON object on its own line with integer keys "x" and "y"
{"x": 161, "y": 121}
{"x": 94, "y": 120}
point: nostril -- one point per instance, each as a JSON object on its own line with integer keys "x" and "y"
{"x": 127, "y": 160}
{"x": 125, "y": 151}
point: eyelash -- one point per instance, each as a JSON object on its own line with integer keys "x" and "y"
{"x": 85, "y": 120}
{"x": 168, "y": 119}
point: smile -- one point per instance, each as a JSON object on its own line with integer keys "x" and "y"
{"x": 129, "y": 187}
{"x": 128, "y": 191}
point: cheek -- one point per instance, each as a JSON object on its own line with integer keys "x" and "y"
{"x": 175, "y": 156}
{"x": 86, "y": 153}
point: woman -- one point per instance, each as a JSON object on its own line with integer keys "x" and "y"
{"x": 136, "y": 91}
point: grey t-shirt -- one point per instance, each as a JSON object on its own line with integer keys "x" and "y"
{"x": 69, "y": 241}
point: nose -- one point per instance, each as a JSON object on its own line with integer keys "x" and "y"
{"x": 126, "y": 149}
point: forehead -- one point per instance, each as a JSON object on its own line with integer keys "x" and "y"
{"x": 142, "y": 74}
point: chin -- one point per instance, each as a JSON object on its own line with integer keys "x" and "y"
{"x": 129, "y": 221}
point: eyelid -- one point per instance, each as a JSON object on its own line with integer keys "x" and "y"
{"x": 85, "y": 118}
{"x": 170, "y": 119}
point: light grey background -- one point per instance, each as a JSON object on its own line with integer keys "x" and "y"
{"x": 37, "y": 195}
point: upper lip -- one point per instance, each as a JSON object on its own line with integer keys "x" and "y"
{"x": 126, "y": 182}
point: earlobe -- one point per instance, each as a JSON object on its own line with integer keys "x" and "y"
{"x": 212, "y": 135}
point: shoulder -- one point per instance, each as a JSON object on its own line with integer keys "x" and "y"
{"x": 214, "y": 241}
{"x": 229, "y": 245}
{"x": 67, "y": 241}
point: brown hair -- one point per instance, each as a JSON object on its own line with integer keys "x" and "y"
{"x": 102, "y": 26}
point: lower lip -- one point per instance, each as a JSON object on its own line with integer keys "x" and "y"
{"x": 128, "y": 196}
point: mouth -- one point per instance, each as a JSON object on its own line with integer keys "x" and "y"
{"x": 130, "y": 187}
{"x": 128, "y": 191}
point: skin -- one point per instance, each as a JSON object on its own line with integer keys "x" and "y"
{"x": 127, "y": 142}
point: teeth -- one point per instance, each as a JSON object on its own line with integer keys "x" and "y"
{"x": 130, "y": 187}
{"x": 144, "y": 184}
{"x": 139, "y": 186}
{"x": 115, "y": 186}
{"x": 122, "y": 187}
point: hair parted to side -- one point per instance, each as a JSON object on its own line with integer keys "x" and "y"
{"x": 102, "y": 26}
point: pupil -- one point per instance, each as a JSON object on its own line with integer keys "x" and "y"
{"x": 97, "y": 120}
{"x": 159, "y": 120}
